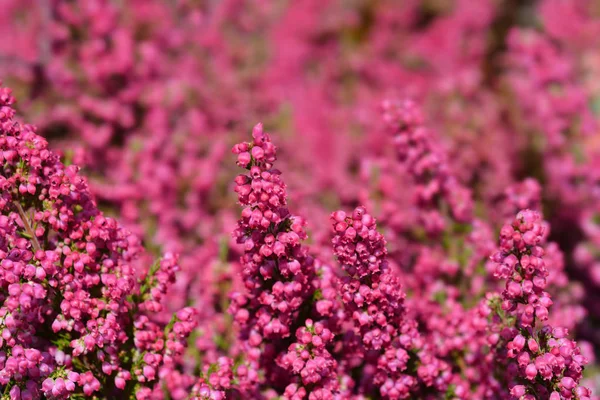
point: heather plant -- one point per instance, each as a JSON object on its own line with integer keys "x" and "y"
{"x": 77, "y": 318}
{"x": 443, "y": 118}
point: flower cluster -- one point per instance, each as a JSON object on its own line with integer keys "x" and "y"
{"x": 539, "y": 350}
{"x": 424, "y": 161}
{"x": 385, "y": 343}
{"x": 75, "y": 316}
{"x": 278, "y": 274}
{"x": 443, "y": 118}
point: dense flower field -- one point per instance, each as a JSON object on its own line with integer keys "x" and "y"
{"x": 300, "y": 199}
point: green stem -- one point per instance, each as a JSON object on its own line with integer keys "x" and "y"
{"x": 27, "y": 225}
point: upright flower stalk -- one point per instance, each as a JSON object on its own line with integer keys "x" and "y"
{"x": 383, "y": 341}
{"x": 278, "y": 274}
{"x": 437, "y": 189}
{"x": 546, "y": 363}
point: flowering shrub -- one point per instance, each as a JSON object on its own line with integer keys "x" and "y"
{"x": 77, "y": 317}
{"x": 468, "y": 129}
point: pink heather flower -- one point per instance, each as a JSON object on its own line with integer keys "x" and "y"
{"x": 278, "y": 275}
{"x": 520, "y": 261}
{"x": 425, "y": 161}
{"x": 373, "y": 300}
{"x": 147, "y": 94}
{"x": 72, "y": 303}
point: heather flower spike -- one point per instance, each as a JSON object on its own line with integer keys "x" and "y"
{"x": 388, "y": 342}
{"x": 278, "y": 275}
{"x": 548, "y": 364}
